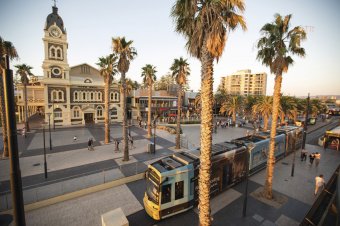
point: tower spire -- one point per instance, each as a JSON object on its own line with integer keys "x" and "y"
{"x": 55, "y": 3}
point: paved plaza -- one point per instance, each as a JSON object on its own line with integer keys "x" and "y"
{"x": 72, "y": 167}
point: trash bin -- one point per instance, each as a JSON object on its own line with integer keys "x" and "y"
{"x": 151, "y": 148}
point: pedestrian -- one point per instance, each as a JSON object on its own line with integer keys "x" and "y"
{"x": 144, "y": 124}
{"x": 319, "y": 183}
{"x": 117, "y": 145}
{"x": 24, "y": 132}
{"x": 311, "y": 158}
{"x": 90, "y": 145}
{"x": 303, "y": 155}
{"x": 74, "y": 138}
{"x": 131, "y": 141}
{"x": 317, "y": 158}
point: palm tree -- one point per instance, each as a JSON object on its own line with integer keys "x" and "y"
{"x": 180, "y": 70}
{"x": 6, "y": 48}
{"x": 24, "y": 71}
{"x": 149, "y": 77}
{"x": 108, "y": 68}
{"x": 248, "y": 104}
{"x": 198, "y": 102}
{"x": 206, "y": 25}
{"x": 232, "y": 106}
{"x": 275, "y": 47}
{"x": 288, "y": 105}
{"x": 125, "y": 53}
{"x": 264, "y": 107}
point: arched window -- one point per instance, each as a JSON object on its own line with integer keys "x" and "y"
{"x": 54, "y": 95}
{"x": 99, "y": 111}
{"x": 111, "y": 96}
{"x": 116, "y": 96}
{"x": 58, "y": 53}
{"x": 92, "y": 98}
{"x": 75, "y": 95}
{"x": 84, "y": 96}
{"x": 114, "y": 111}
{"x": 99, "y": 96}
{"x": 76, "y": 112}
{"x": 60, "y": 95}
{"x": 52, "y": 52}
{"x": 58, "y": 113}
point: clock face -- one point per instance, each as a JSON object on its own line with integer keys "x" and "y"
{"x": 55, "y": 32}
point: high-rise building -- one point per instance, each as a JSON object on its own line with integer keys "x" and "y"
{"x": 245, "y": 83}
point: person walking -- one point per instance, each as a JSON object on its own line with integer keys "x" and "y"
{"x": 131, "y": 141}
{"x": 317, "y": 158}
{"x": 117, "y": 145}
{"x": 304, "y": 155}
{"x": 311, "y": 158}
{"x": 90, "y": 145}
{"x": 319, "y": 183}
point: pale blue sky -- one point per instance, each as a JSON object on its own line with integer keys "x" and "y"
{"x": 91, "y": 25}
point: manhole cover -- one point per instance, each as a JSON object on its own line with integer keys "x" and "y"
{"x": 37, "y": 164}
{"x": 284, "y": 163}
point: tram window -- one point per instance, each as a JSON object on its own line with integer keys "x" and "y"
{"x": 179, "y": 190}
{"x": 166, "y": 193}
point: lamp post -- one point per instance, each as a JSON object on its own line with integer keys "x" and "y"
{"x": 245, "y": 200}
{"x": 49, "y": 128}
{"x": 293, "y": 165}
{"x": 154, "y": 134}
{"x": 130, "y": 121}
{"x": 15, "y": 173}
{"x": 45, "y": 162}
{"x": 305, "y": 125}
{"x": 53, "y": 115}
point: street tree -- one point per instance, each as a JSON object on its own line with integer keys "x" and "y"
{"x": 108, "y": 69}
{"x": 275, "y": 48}
{"x": 180, "y": 72}
{"x": 6, "y": 49}
{"x": 24, "y": 71}
{"x": 206, "y": 25}
{"x": 125, "y": 53}
{"x": 149, "y": 77}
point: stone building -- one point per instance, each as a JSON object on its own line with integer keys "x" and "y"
{"x": 71, "y": 95}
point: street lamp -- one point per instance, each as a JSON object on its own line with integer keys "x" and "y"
{"x": 245, "y": 200}
{"x": 49, "y": 128}
{"x": 305, "y": 125}
{"x": 53, "y": 115}
{"x": 154, "y": 134}
{"x": 45, "y": 162}
{"x": 130, "y": 121}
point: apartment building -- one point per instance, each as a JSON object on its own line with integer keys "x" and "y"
{"x": 244, "y": 82}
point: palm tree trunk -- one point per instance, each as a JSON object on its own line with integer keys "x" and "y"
{"x": 26, "y": 109}
{"x": 234, "y": 118}
{"x": 265, "y": 122}
{"x": 107, "y": 110}
{"x": 149, "y": 111}
{"x": 268, "y": 187}
{"x": 178, "y": 128}
{"x": 3, "y": 120}
{"x": 206, "y": 136}
{"x": 283, "y": 117}
{"x": 125, "y": 140}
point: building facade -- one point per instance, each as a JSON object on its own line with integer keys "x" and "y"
{"x": 68, "y": 95}
{"x": 245, "y": 83}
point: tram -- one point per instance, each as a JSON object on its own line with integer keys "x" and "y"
{"x": 172, "y": 182}
{"x": 331, "y": 139}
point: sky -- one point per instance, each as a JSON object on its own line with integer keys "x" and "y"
{"x": 91, "y": 25}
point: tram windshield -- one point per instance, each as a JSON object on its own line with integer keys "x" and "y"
{"x": 152, "y": 187}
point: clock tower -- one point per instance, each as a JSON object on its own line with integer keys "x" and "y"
{"x": 56, "y": 69}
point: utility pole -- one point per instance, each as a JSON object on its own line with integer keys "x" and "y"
{"x": 15, "y": 174}
{"x": 305, "y": 125}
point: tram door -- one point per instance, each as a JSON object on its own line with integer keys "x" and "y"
{"x": 226, "y": 175}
